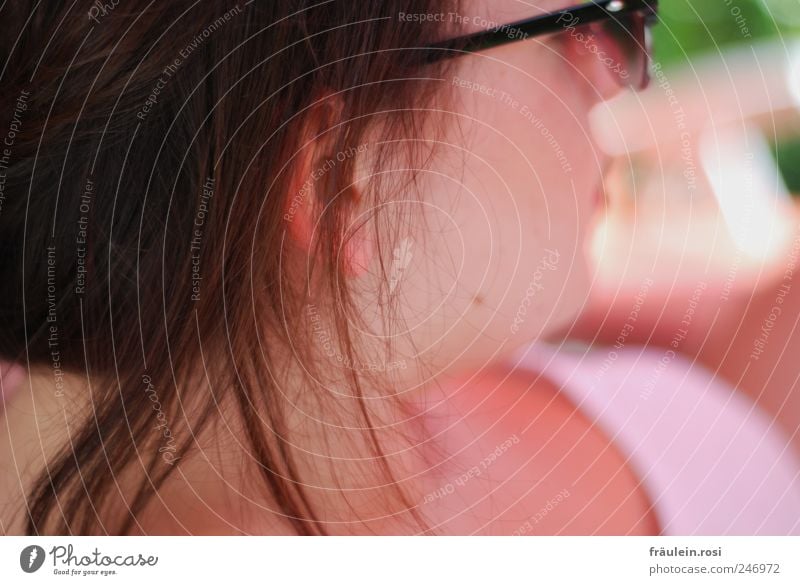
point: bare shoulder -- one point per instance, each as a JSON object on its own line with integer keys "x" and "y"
{"x": 525, "y": 460}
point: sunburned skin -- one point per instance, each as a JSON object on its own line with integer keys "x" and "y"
{"x": 523, "y": 460}
{"x": 529, "y": 462}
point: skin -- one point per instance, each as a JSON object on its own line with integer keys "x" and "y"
{"x": 496, "y": 203}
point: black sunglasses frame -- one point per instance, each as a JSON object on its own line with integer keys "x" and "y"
{"x": 549, "y": 23}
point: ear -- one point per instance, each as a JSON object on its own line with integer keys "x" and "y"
{"x": 299, "y": 209}
{"x": 11, "y": 377}
{"x": 313, "y": 160}
{"x": 359, "y": 247}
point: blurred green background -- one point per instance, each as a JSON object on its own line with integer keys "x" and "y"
{"x": 696, "y": 26}
{"x": 692, "y": 27}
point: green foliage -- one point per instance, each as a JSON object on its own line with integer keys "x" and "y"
{"x": 691, "y": 27}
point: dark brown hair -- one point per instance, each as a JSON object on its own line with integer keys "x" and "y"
{"x": 147, "y": 173}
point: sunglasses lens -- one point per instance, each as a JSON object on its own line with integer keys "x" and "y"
{"x": 625, "y": 40}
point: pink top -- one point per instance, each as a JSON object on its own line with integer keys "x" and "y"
{"x": 711, "y": 461}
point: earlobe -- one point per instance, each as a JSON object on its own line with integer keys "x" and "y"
{"x": 358, "y": 243}
{"x": 358, "y": 251}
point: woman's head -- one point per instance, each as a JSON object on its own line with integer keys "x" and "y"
{"x": 271, "y": 213}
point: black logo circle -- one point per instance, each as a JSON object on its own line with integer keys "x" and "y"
{"x": 31, "y": 558}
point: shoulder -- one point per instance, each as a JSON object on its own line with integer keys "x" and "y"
{"x": 525, "y": 460}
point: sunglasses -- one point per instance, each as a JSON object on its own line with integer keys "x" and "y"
{"x": 619, "y": 30}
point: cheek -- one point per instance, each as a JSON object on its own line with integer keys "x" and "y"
{"x": 499, "y": 258}
{"x": 545, "y": 175}
{"x": 496, "y": 264}
{"x": 529, "y": 135}
{"x": 532, "y": 173}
